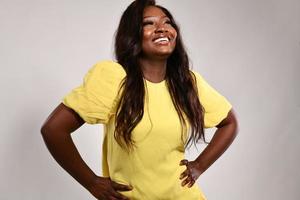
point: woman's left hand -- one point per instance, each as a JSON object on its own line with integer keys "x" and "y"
{"x": 191, "y": 174}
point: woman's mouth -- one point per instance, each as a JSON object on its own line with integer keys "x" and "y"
{"x": 162, "y": 40}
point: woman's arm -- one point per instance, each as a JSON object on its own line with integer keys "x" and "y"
{"x": 56, "y": 132}
{"x": 223, "y": 137}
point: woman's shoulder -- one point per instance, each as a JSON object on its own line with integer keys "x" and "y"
{"x": 104, "y": 72}
{"x": 108, "y": 67}
{"x": 196, "y": 75}
{"x": 95, "y": 99}
{"x": 201, "y": 82}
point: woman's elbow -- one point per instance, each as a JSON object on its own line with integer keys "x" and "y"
{"x": 46, "y": 131}
{"x": 231, "y": 123}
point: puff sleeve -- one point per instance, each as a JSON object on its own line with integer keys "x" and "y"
{"x": 96, "y": 98}
{"x": 215, "y": 105}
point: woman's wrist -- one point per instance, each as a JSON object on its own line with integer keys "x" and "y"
{"x": 200, "y": 165}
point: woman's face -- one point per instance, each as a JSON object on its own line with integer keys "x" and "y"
{"x": 159, "y": 36}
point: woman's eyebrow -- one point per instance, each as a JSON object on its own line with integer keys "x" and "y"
{"x": 164, "y": 16}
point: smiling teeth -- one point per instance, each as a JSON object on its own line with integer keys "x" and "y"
{"x": 161, "y": 40}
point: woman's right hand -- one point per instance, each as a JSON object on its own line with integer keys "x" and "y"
{"x": 103, "y": 188}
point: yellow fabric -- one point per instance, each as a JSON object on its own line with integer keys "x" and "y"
{"x": 215, "y": 105}
{"x": 153, "y": 167}
{"x": 96, "y": 98}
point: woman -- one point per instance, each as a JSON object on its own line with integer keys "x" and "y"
{"x": 152, "y": 107}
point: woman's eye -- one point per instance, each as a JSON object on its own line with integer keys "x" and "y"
{"x": 147, "y": 23}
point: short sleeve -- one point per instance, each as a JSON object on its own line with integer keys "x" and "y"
{"x": 96, "y": 98}
{"x": 216, "y": 106}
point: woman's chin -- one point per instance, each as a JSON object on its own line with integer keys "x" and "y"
{"x": 162, "y": 54}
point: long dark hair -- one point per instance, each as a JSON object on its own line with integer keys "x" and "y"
{"x": 180, "y": 80}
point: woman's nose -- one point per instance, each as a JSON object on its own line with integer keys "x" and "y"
{"x": 161, "y": 28}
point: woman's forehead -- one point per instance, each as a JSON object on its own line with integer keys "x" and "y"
{"x": 153, "y": 11}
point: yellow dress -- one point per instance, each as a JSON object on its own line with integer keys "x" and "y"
{"x": 153, "y": 167}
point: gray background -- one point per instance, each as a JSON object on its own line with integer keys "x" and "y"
{"x": 248, "y": 50}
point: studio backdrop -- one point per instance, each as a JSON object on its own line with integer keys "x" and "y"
{"x": 248, "y": 50}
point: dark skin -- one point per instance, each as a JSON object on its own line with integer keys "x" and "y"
{"x": 63, "y": 121}
{"x": 223, "y": 137}
{"x": 56, "y": 133}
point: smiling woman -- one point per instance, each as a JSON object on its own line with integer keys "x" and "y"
{"x": 152, "y": 106}
{"x": 159, "y": 36}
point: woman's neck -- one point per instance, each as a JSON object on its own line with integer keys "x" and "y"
{"x": 153, "y": 70}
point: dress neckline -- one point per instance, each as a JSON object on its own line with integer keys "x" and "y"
{"x": 155, "y": 84}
